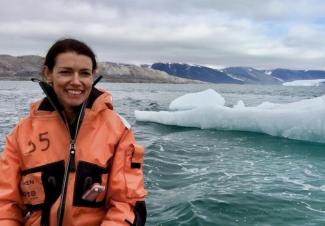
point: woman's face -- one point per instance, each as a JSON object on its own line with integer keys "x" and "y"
{"x": 71, "y": 78}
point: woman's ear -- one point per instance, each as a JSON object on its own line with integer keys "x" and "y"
{"x": 47, "y": 75}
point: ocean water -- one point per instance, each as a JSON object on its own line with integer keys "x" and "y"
{"x": 210, "y": 177}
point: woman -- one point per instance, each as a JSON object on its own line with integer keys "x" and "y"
{"x": 73, "y": 160}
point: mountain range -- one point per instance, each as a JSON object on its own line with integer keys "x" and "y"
{"x": 26, "y": 67}
{"x": 239, "y": 75}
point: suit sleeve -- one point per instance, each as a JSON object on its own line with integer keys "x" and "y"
{"x": 126, "y": 192}
{"x": 11, "y": 207}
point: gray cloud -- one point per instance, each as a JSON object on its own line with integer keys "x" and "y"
{"x": 261, "y": 34}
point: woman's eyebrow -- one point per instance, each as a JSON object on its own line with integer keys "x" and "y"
{"x": 66, "y": 68}
{"x": 85, "y": 69}
{"x": 69, "y": 68}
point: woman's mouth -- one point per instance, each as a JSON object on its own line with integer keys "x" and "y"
{"x": 74, "y": 92}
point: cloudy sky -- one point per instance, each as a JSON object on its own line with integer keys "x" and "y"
{"x": 263, "y": 34}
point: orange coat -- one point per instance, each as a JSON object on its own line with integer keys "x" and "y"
{"x": 33, "y": 161}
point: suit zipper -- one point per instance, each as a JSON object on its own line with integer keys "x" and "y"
{"x": 70, "y": 166}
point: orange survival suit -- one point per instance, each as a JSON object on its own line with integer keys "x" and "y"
{"x": 33, "y": 163}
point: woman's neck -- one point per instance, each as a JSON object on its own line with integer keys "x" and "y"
{"x": 70, "y": 115}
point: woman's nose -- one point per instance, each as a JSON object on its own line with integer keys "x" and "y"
{"x": 76, "y": 78}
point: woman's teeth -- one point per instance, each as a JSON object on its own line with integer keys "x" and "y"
{"x": 74, "y": 92}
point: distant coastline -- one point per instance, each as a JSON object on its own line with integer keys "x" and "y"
{"x": 22, "y": 68}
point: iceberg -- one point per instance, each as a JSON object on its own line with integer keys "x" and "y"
{"x": 313, "y": 82}
{"x": 200, "y": 99}
{"x": 301, "y": 120}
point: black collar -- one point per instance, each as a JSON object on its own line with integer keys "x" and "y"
{"x": 47, "y": 106}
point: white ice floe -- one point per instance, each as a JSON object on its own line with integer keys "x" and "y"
{"x": 302, "y": 120}
{"x": 200, "y": 99}
{"x": 314, "y": 82}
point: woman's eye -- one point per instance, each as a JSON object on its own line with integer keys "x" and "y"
{"x": 85, "y": 73}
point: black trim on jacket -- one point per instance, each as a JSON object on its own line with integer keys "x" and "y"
{"x": 47, "y": 106}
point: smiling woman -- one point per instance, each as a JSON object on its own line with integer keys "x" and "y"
{"x": 71, "y": 79}
{"x": 73, "y": 160}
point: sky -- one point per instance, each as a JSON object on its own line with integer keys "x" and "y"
{"x": 264, "y": 34}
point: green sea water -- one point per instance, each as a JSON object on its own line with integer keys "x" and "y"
{"x": 210, "y": 177}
